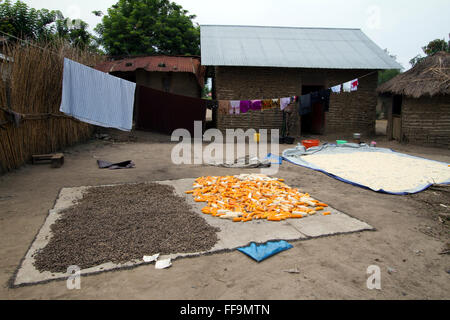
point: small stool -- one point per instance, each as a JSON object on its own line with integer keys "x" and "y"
{"x": 56, "y": 159}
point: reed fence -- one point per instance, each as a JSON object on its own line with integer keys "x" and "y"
{"x": 30, "y": 97}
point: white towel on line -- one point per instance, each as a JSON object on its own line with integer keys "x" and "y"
{"x": 336, "y": 89}
{"x": 96, "y": 97}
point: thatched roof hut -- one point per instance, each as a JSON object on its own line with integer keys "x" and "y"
{"x": 428, "y": 78}
{"x": 419, "y": 111}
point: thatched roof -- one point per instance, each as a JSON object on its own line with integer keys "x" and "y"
{"x": 428, "y": 78}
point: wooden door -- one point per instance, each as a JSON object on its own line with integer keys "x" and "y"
{"x": 397, "y": 127}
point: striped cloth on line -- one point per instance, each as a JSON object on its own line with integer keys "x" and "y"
{"x": 96, "y": 97}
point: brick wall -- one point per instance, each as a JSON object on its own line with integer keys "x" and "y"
{"x": 348, "y": 112}
{"x": 426, "y": 121}
{"x": 352, "y": 111}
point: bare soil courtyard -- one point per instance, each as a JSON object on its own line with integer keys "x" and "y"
{"x": 411, "y": 232}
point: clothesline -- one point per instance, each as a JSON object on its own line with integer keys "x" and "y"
{"x": 306, "y": 100}
{"x": 217, "y": 103}
{"x": 17, "y": 117}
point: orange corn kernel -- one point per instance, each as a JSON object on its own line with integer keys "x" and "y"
{"x": 322, "y": 204}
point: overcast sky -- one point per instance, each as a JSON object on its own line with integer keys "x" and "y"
{"x": 401, "y": 26}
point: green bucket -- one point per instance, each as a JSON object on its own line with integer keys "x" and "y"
{"x": 341, "y": 142}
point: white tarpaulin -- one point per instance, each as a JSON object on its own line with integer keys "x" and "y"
{"x": 378, "y": 169}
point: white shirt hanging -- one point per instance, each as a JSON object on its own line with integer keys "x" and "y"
{"x": 336, "y": 89}
{"x": 347, "y": 87}
{"x": 354, "y": 85}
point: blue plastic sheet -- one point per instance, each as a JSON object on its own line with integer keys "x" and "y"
{"x": 274, "y": 159}
{"x": 295, "y": 156}
{"x": 261, "y": 252}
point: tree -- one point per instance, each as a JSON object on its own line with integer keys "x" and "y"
{"x": 25, "y": 23}
{"x": 22, "y": 22}
{"x": 386, "y": 75}
{"x": 431, "y": 48}
{"x": 75, "y": 32}
{"x": 134, "y": 27}
{"x": 206, "y": 91}
{"x": 417, "y": 59}
{"x": 435, "y": 46}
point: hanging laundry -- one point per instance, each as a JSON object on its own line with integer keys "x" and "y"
{"x": 325, "y": 98}
{"x": 235, "y": 107}
{"x": 212, "y": 104}
{"x": 256, "y": 105}
{"x": 346, "y": 87}
{"x": 224, "y": 106}
{"x": 337, "y": 89}
{"x": 354, "y": 85}
{"x": 305, "y": 104}
{"x": 245, "y": 106}
{"x": 266, "y": 104}
{"x": 276, "y": 104}
{"x": 315, "y": 97}
{"x": 96, "y": 97}
{"x": 284, "y": 102}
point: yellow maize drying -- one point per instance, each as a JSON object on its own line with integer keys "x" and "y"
{"x": 253, "y": 197}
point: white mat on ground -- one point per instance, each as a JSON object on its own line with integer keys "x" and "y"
{"x": 378, "y": 169}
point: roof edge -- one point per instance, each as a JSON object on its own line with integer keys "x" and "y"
{"x": 283, "y": 27}
{"x": 313, "y": 67}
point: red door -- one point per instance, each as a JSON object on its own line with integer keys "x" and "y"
{"x": 317, "y": 118}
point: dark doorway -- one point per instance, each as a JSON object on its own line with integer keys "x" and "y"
{"x": 314, "y": 122}
{"x": 397, "y": 118}
{"x": 397, "y": 105}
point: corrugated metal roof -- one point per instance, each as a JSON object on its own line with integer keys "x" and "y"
{"x": 156, "y": 64}
{"x": 291, "y": 47}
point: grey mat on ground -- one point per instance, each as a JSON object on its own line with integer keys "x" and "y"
{"x": 231, "y": 235}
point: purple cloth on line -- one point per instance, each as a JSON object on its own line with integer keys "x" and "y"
{"x": 256, "y": 105}
{"x": 245, "y": 106}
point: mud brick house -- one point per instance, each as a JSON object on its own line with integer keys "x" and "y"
{"x": 252, "y": 62}
{"x": 419, "y": 111}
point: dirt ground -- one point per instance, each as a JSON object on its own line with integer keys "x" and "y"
{"x": 409, "y": 239}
